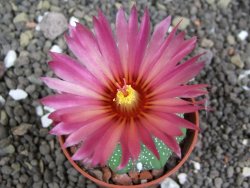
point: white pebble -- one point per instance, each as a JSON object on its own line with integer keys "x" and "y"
{"x": 39, "y": 18}
{"x": 38, "y": 28}
{"x": 46, "y": 121}
{"x": 246, "y": 171}
{"x": 170, "y": 29}
{"x": 244, "y": 142}
{"x": 169, "y": 183}
{"x": 182, "y": 177}
{"x": 49, "y": 109}
{"x": 39, "y": 110}
{"x": 73, "y": 20}
{"x": 243, "y": 35}
{"x": 197, "y": 166}
{"x": 10, "y": 59}
{"x": 2, "y": 100}
{"x": 56, "y": 48}
{"x": 139, "y": 166}
{"x": 18, "y": 94}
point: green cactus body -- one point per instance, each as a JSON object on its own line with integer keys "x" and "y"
{"x": 147, "y": 159}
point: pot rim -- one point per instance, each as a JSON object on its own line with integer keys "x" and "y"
{"x": 150, "y": 183}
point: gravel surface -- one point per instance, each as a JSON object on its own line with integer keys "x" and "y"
{"x": 30, "y": 157}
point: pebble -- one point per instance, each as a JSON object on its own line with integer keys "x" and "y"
{"x": 169, "y": 183}
{"x": 182, "y": 177}
{"x": 21, "y": 17}
{"x": 18, "y": 94}
{"x": 207, "y": 43}
{"x": 46, "y": 122}
{"x": 197, "y": 166}
{"x": 207, "y": 57}
{"x": 39, "y": 110}
{"x": 122, "y": 179}
{"x": 10, "y": 59}
{"x": 3, "y": 132}
{"x": 224, "y": 3}
{"x": 21, "y": 129}
{"x": 44, "y": 149}
{"x": 231, "y": 40}
{"x": 245, "y": 142}
{"x": 218, "y": 182}
{"x": 243, "y": 35}
{"x": 246, "y": 172}
{"x": 184, "y": 23}
{"x": 230, "y": 171}
{"x": 56, "y": 48}
{"x": 6, "y": 170}
{"x": 2, "y": 100}
{"x": 25, "y": 38}
{"x": 53, "y": 24}
{"x": 139, "y": 166}
{"x": 2, "y": 69}
{"x": 73, "y": 20}
{"x": 236, "y": 60}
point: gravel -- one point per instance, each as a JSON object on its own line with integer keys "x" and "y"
{"x": 30, "y": 157}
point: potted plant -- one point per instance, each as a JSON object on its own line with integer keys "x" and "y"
{"x": 124, "y": 104}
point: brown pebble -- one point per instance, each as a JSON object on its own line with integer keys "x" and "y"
{"x": 157, "y": 173}
{"x": 30, "y": 25}
{"x": 197, "y": 23}
{"x": 146, "y": 175}
{"x": 231, "y": 51}
{"x": 135, "y": 176}
{"x": 106, "y": 174}
{"x": 122, "y": 179}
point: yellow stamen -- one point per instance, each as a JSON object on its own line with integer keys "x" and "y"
{"x": 126, "y": 96}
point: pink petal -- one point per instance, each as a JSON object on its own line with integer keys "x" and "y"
{"x": 125, "y": 150}
{"x": 122, "y": 37}
{"x": 147, "y": 140}
{"x": 107, "y": 144}
{"x": 70, "y": 88}
{"x": 168, "y": 140}
{"x": 177, "y": 109}
{"x": 142, "y": 41}
{"x": 85, "y": 131}
{"x": 60, "y": 101}
{"x": 133, "y": 140}
{"x": 65, "y": 128}
{"x": 107, "y": 44}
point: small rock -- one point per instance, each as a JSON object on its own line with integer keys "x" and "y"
{"x": 197, "y": 166}
{"x": 53, "y": 24}
{"x": 184, "y": 22}
{"x": 206, "y": 57}
{"x": 3, "y": 132}
{"x": 31, "y": 25}
{"x": 231, "y": 51}
{"x": 182, "y": 177}
{"x": 96, "y": 173}
{"x": 56, "y": 48}
{"x": 2, "y": 100}
{"x": 139, "y": 166}
{"x": 169, "y": 183}
{"x": 9, "y": 149}
{"x": 218, "y": 182}
{"x": 135, "y": 176}
{"x": 157, "y": 173}
{"x": 211, "y": 2}
{"x": 145, "y": 175}
{"x": 18, "y": 94}
{"x": 122, "y": 179}
{"x": 10, "y": 59}
{"x": 21, "y": 129}
{"x": 224, "y": 3}
{"x": 245, "y": 142}
{"x": 106, "y": 174}
{"x": 230, "y": 171}
{"x": 207, "y": 43}
{"x": 25, "y": 38}
{"x": 44, "y": 149}
{"x": 45, "y": 5}
{"x": 73, "y": 20}
{"x": 2, "y": 69}
{"x": 236, "y": 60}
{"x": 39, "y": 110}
{"x": 46, "y": 122}
{"x": 3, "y": 118}
{"x": 246, "y": 171}
{"x": 6, "y": 170}
{"x": 21, "y": 17}
{"x": 231, "y": 40}
{"x": 243, "y": 35}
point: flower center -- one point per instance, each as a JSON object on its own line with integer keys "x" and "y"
{"x": 126, "y": 96}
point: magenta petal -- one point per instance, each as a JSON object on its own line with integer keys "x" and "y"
{"x": 125, "y": 150}
{"x": 133, "y": 140}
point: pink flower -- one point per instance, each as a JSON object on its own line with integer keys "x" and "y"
{"x": 123, "y": 89}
